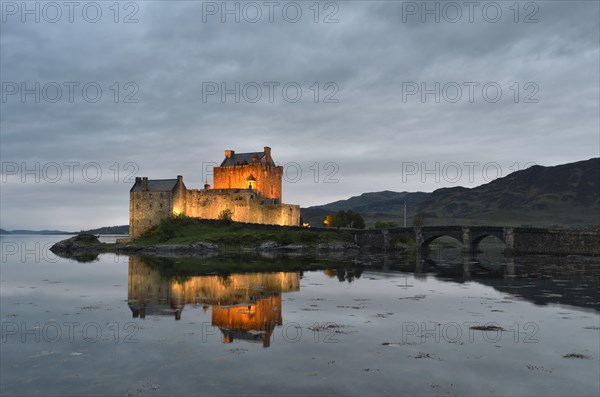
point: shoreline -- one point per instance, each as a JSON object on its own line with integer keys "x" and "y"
{"x": 84, "y": 245}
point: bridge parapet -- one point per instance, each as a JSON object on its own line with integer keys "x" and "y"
{"x": 516, "y": 240}
{"x": 556, "y": 241}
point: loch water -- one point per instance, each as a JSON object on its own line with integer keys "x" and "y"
{"x": 250, "y": 324}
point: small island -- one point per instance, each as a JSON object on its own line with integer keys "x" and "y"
{"x": 181, "y": 235}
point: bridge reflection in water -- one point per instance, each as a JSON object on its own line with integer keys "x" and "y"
{"x": 244, "y": 306}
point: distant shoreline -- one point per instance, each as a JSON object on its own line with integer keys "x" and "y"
{"x": 121, "y": 230}
{"x": 62, "y": 234}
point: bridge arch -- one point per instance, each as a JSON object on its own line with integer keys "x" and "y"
{"x": 428, "y": 234}
{"x": 477, "y": 236}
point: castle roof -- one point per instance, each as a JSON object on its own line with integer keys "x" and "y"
{"x": 155, "y": 185}
{"x": 243, "y": 158}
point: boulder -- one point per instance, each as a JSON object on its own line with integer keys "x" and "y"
{"x": 80, "y": 244}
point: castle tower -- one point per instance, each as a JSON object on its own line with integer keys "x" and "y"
{"x": 256, "y": 171}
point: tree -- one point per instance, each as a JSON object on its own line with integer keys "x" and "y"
{"x": 358, "y": 222}
{"x": 345, "y": 219}
{"x": 419, "y": 219}
{"x": 340, "y": 219}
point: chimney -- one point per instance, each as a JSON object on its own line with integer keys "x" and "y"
{"x": 179, "y": 179}
{"x": 145, "y": 183}
{"x": 268, "y": 151}
{"x": 229, "y": 153}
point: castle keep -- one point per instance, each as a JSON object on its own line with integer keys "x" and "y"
{"x": 247, "y": 184}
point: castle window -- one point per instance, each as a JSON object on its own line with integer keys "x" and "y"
{"x": 161, "y": 205}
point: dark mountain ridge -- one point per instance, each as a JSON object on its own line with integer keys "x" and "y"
{"x": 564, "y": 195}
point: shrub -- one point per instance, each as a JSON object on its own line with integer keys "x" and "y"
{"x": 87, "y": 238}
{"x": 384, "y": 225}
{"x": 150, "y": 232}
{"x": 167, "y": 228}
{"x": 226, "y": 215}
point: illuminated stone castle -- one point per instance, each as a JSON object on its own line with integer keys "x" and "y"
{"x": 246, "y": 184}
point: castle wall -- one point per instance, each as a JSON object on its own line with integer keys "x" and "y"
{"x": 268, "y": 178}
{"x": 146, "y": 209}
{"x": 245, "y": 207}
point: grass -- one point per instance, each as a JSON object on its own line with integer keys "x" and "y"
{"x": 184, "y": 230}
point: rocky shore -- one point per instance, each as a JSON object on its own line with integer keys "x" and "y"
{"x": 85, "y": 245}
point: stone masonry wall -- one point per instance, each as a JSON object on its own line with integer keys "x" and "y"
{"x": 560, "y": 242}
{"x": 146, "y": 209}
{"x": 245, "y": 207}
{"x": 268, "y": 178}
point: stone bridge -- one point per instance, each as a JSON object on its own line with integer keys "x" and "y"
{"x": 516, "y": 240}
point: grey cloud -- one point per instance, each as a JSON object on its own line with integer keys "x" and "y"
{"x": 369, "y": 134}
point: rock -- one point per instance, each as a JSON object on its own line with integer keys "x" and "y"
{"x": 204, "y": 246}
{"x": 174, "y": 249}
{"x": 269, "y": 245}
{"x": 179, "y": 249}
{"x": 80, "y": 244}
{"x": 337, "y": 246}
{"x": 170, "y": 248}
{"x": 128, "y": 248}
{"x": 273, "y": 246}
{"x": 88, "y": 247}
{"x": 294, "y": 247}
{"x": 332, "y": 246}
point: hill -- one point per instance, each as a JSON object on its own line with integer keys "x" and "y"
{"x": 564, "y": 195}
{"x": 124, "y": 229}
{"x": 42, "y": 232}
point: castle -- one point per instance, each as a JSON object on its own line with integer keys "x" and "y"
{"x": 247, "y": 185}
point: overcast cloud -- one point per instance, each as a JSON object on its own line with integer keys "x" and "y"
{"x": 374, "y": 137}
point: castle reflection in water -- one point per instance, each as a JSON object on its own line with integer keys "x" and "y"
{"x": 243, "y": 306}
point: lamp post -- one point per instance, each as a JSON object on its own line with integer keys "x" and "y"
{"x": 405, "y": 214}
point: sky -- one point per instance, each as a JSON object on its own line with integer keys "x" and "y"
{"x": 352, "y": 97}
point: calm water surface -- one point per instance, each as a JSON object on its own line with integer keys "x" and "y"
{"x": 369, "y": 325}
